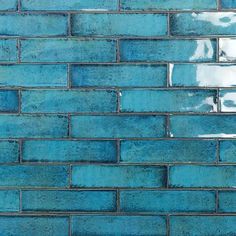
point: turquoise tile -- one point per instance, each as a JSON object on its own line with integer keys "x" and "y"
{"x": 203, "y": 75}
{"x": 118, "y": 225}
{"x": 34, "y": 225}
{"x": 191, "y": 176}
{"x": 61, "y": 101}
{"x": 227, "y": 201}
{"x": 202, "y": 225}
{"x": 168, "y": 5}
{"x": 94, "y": 176}
{"x": 33, "y": 75}
{"x": 68, "y": 50}
{"x": 118, "y": 126}
{"x": 72, "y": 5}
{"x": 9, "y": 151}
{"x": 9, "y": 200}
{"x": 228, "y": 151}
{"x": 9, "y": 101}
{"x": 228, "y": 100}
{"x": 34, "y": 176}
{"x": 162, "y": 151}
{"x": 9, "y": 5}
{"x": 8, "y": 50}
{"x": 127, "y": 75}
{"x": 202, "y": 126}
{"x": 167, "y": 201}
{"x": 33, "y": 24}
{"x": 168, "y": 101}
{"x": 168, "y": 50}
{"x": 227, "y": 52}
{"x": 228, "y": 4}
{"x": 69, "y": 200}
{"x": 68, "y": 151}
{"x": 203, "y": 23}
{"x": 33, "y": 126}
{"x": 119, "y": 25}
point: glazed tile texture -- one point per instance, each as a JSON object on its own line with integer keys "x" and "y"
{"x": 117, "y": 117}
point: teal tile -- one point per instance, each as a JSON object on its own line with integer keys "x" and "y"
{"x": 9, "y": 151}
{"x": 8, "y": 5}
{"x": 67, "y": 50}
{"x": 29, "y": 75}
{"x": 168, "y": 101}
{"x": 167, "y": 201}
{"x": 62, "y": 101}
{"x": 8, "y": 50}
{"x": 118, "y": 126}
{"x": 228, "y": 4}
{"x": 227, "y": 52}
{"x": 34, "y": 225}
{"x": 118, "y": 225}
{"x": 72, "y": 5}
{"x": 192, "y": 176}
{"x": 203, "y": 23}
{"x": 228, "y": 151}
{"x": 9, "y": 201}
{"x": 202, "y": 126}
{"x": 33, "y": 24}
{"x": 162, "y": 151}
{"x": 168, "y": 50}
{"x": 168, "y": 5}
{"x": 127, "y": 75}
{"x": 227, "y": 201}
{"x": 68, "y": 151}
{"x": 90, "y": 176}
{"x": 221, "y": 75}
{"x": 119, "y": 25}
{"x": 9, "y": 101}
{"x": 69, "y": 200}
{"x": 202, "y": 225}
{"x": 228, "y": 100}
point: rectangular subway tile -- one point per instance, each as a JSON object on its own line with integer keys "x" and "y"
{"x": 228, "y": 4}
{"x": 203, "y": 75}
{"x": 103, "y": 201}
{"x": 192, "y": 176}
{"x": 8, "y": 50}
{"x": 227, "y": 51}
{"x": 167, "y": 201}
{"x": 227, "y": 151}
{"x": 9, "y": 151}
{"x": 67, "y": 50}
{"x": 34, "y": 176}
{"x": 146, "y": 25}
{"x": 68, "y": 151}
{"x": 168, "y": 50}
{"x": 228, "y": 100}
{"x": 203, "y": 24}
{"x": 9, "y": 5}
{"x": 9, "y": 101}
{"x": 118, "y": 225}
{"x": 34, "y": 225}
{"x": 201, "y": 126}
{"x": 202, "y": 225}
{"x": 168, "y": 151}
{"x": 33, "y": 24}
{"x": 29, "y": 75}
{"x": 168, "y": 101}
{"x": 168, "y": 5}
{"x": 118, "y": 126}
{"x": 118, "y": 176}
{"x": 9, "y": 200}
{"x": 127, "y": 75}
{"x": 227, "y": 201}
{"x": 72, "y": 5}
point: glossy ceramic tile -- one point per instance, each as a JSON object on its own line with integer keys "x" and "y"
{"x": 227, "y": 50}
{"x": 227, "y": 201}
{"x": 228, "y": 100}
{"x": 228, "y": 4}
{"x": 227, "y": 151}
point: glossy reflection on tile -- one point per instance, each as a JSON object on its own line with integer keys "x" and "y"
{"x": 203, "y": 75}
{"x": 228, "y": 100}
{"x": 227, "y": 49}
{"x": 204, "y": 23}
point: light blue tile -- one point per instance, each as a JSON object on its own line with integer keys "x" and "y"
{"x": 119, "y": 75}
{"x": 118, "y": 176}
{"x": 9, "y": 200}
{"x": 228, "y": 4}
{"x": 228, "y": 151}
{"x": 168, "y": 50}
{"x": 118, "y": 225}
{"x": 227, "y": 52}
{"x": 202, "y": 225}
{"x": 62, "y": 101}
{"x": 168, "y": 101}
{"x": 221, "y": 75}
{"x": 168, "y": 5}
{"x": 8, "y": 50}
{"x": 8, "y": 5}
{"x": 203, "y": 126}
{"x": 68, "y": 50}
{"x": 72, "y": 5}
{"x": 69, "y": 151}
{"x": 9, "y": 151}
{"x": 118, "y": 126}
{"x": 191, "y": 176}
{"x": 119, "y": 25}
{"x": 227, "y": 201}
{"x": 162, "y": 151}
{"x": 69, "y": 201}
{"x": 167, "y": 201}
{"x": 228, "y": 100}
{"x": 9, "y": 101}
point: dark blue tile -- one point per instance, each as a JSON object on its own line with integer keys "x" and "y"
{"x": 227, "y": 201}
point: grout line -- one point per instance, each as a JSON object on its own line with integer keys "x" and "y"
{"x": 20, "y": 157}
{"x": 217, "y": 151}
{"x": 168, "y": 25}
{"x": 18, "y": 6}
{"x": 70, "y": 225}
{"x": 117, "y": 200}
{"x": 168, "y": 76}
{"x": 118, "y": 103}
{"x": 69, "y": 128}
{"x": 167, "y": 176}
{"x": 118, "y": 146}
{"x": 217, "y": 201}
{"x": 18, "y": 45}
{"x": 69, "y": 82}
{"x": 168, "y": 131}
{"x": 117, "y": 50}
{"x": 167, "y": 225}
{"x": 69, "y": 24}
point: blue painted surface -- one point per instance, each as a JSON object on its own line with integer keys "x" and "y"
{"x": 9, "y": 151}
{"x": 9, "y": 200}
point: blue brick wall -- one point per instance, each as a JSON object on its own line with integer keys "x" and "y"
{"x": 117, "y": 117}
